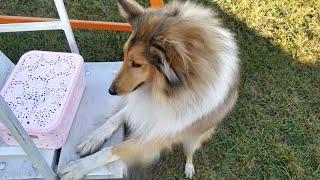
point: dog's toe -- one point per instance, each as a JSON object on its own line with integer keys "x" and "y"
{"x": 73, "y": 171}
{"x": 90, "y": 145}
{"x": 189, "y": 170}
{"x": 70, "y": 173}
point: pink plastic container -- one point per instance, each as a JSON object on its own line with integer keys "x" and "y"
{"x": 44, "y": 91}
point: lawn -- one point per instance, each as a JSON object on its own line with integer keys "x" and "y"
{"x": 273, "y": 132}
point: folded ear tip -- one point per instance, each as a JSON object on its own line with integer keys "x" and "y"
{"x": 129, "y": 9}
{"x": 120, "y": 1}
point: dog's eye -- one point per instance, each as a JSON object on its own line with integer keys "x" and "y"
{"x": 135, "y": 65}
{"x": 133, "y": 40}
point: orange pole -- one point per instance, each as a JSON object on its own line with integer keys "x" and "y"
{"x": 100, "y": 25}
{"x": 75, "y": 24}
{"x": 156, "y": 3}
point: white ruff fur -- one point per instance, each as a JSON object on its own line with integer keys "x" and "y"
{"x": 150, "y": 120}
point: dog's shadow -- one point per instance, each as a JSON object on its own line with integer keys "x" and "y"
{"x": 274, "y": 128}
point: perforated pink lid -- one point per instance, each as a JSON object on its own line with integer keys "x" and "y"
{"x": 39, "y": 87}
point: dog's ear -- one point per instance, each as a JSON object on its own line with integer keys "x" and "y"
{"x": 130, "y": 9}
{"x": 158, "y": 58}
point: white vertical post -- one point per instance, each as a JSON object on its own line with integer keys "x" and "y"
{"x": 67, "y": 27}
{"x": 11, "y": 122}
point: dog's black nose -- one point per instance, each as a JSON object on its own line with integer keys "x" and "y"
{"x": 112, "y": 91}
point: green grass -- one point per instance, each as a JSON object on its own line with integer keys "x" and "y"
{"x": 274, "y": 131}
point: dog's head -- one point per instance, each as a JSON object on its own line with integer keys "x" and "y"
{"x": 159, "y": 49}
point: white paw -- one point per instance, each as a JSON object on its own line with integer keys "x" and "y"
{"x": 189, "y": 170}
{"x": 75, "y": 170}
{"x": 92, "y": 143}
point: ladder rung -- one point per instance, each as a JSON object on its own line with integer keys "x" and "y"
{"x": 11, "y": 152}
{"x": 34, "y": 26}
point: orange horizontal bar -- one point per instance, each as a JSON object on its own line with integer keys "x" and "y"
{"x": 156, "y": 3}
{"x": 75, "y": 24}
{"x": 100, "y": 25}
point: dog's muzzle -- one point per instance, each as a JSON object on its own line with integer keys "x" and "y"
{"x": 112, "y": 90}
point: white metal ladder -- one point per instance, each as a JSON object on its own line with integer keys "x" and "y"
{"x": 63, "y": 24}
{"x": 6, "y": 115}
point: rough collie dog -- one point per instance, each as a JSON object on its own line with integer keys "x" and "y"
{"x": 180, "y": 79}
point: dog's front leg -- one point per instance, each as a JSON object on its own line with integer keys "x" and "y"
{"x": 94, "y": 140}
{"x": 127, "y": 152}
{"x": 79, "y": 168}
